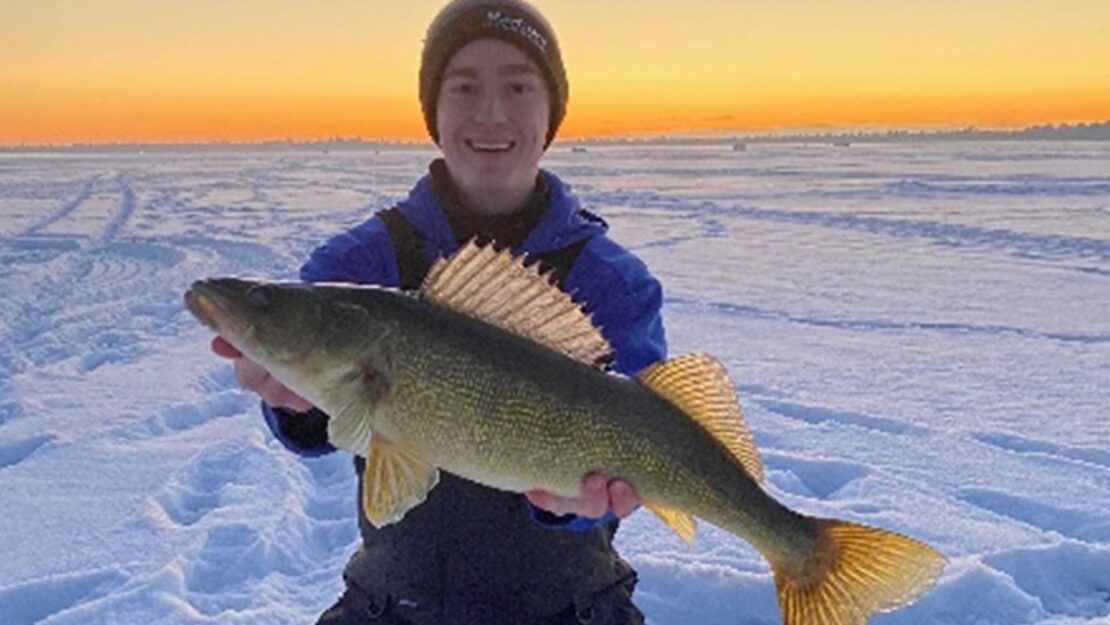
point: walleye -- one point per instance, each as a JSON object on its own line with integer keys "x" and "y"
{"x": 492, "y": 373}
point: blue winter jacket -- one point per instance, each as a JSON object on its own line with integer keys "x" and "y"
{"x": 612, "y": 285}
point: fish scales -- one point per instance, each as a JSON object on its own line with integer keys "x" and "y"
{"x": 423, "y": 384}
{"x": 491, "y": 404}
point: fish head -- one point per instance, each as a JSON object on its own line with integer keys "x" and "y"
{"x": 326, "y": 342}
{"x": 273, "y": 323}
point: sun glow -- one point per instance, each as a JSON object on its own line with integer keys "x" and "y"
{"x": 130, "y": 70}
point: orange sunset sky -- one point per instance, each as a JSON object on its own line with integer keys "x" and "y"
{"x": 240, "y": 70}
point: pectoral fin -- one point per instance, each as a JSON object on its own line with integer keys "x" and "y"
{"x": 349, "y": 428}
{"x": 682, "y": 523}
{"x": 395, "y": 480}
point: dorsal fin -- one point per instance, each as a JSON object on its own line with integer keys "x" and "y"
{"x": 699, "y": 386}
{"x": 499, "y": 289}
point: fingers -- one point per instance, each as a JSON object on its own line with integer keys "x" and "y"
{"x": 543, "y": 499}
{"x": 594, "y": 501}
{"x": 224, "y": 349}
{"x": 599, "y": 495}
{"x": 555, "y": 504}
{"x": 251, "y": 375}
{"x": 622, "y": 498}
{"x": 255, "y": 378}
{"x": 282, "y": 397}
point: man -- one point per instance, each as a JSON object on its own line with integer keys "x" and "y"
{"x": 493, "y": 91}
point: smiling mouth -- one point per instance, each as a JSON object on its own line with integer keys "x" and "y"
{"x": 489, "y": 146}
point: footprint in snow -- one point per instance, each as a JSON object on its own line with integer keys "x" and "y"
{"x": 1027, "y": 446}
{"x": 1069, "y": 579}
{"x": 817, "y": 414}
{"x": 1073, "y": 523}
{"x": 185, "y": 416}
{"x": 228, "y": 566}
{"x": 820, "y": 478}
{"x": 15, "y": 452}
{"x": 198, "y": 489}
{"x": 10, "y": 410}
{"x": 31, "y": 602}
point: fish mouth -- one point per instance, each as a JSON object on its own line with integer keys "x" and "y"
{"x": 212, "y": 303}
{"x": 202, "y": 306}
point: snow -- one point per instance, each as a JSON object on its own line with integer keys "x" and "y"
{"x": 919, "y": 333}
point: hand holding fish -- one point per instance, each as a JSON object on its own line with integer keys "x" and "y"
{"x": 599, "y": 495}
{"x": 255, "y": 378}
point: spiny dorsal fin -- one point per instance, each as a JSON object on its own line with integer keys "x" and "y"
{"x": 501, "y": 290}
{"x": 395, "y": 480}
{"x": 699, "y": 386}
{"x": 682, "y": 523}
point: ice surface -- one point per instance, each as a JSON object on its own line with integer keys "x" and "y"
{"x": 920, "y": 335}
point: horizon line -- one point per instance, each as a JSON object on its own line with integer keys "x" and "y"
{"x": 720, "y": 135}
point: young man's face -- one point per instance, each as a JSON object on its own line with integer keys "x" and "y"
{"x": 492, "y": 116}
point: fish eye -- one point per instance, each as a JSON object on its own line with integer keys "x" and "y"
{"x": 259, "y": 296}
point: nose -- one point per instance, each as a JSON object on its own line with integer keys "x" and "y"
{"x": 491, "y": 108}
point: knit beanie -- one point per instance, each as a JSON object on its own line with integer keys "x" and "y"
{"x": 513, "y": 21}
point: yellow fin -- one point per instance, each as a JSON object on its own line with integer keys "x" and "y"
{"x": 699, "y": 386}
{"x": 396, "y": 479}
{"x": 857, "y": 571}
{"x": 499, "y": 289}
{"x": 682, "y": 523}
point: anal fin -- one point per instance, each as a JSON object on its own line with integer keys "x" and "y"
{"x": 396, "y": 479}
{"x": 682, "y": 523}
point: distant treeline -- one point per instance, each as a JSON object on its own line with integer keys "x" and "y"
{"x": 276, "y": 145}
{"x": 1098, "y": 131}
{"x": 1095, "y": 131}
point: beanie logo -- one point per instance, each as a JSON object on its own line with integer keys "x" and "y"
{"x": 497, "y": 19}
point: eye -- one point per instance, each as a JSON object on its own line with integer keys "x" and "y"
{"x": 259, "y": 296}
{"x": 461, "y": 88}
{"x": 521, "y": 88}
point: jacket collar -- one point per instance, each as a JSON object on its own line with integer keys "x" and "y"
{"x": 563, "y": 223}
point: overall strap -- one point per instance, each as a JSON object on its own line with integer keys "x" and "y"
{"x": 559, "y": 261}
{"x": 412, "y": 263}
{"x": 408, "y": 248}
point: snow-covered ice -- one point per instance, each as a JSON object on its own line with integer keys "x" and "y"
{"x": 920, "y": 335}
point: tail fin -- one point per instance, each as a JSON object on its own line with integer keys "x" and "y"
{"x": 856, "y": 571}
